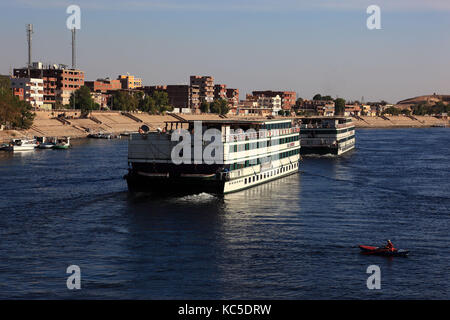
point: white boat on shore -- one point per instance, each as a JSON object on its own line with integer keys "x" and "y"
{"x": 21, "y": 145}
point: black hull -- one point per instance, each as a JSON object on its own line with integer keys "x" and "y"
{"x": 173, "y": 185}
{"x": 318, "y": 150}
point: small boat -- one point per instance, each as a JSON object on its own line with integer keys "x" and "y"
{"x": 45, "y": 143}
{"x": 100, "y": 135}
{"x": 63, "y": 143}
{"x": 382, "y": 251}
{"x": 21, "y": 145}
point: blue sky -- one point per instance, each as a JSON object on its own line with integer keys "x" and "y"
{"x": 320, "y": 46}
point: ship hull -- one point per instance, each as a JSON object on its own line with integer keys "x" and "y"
{"x": 160, "y": 182}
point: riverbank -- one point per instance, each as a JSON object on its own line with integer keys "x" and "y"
{"x": 54, "y": 124}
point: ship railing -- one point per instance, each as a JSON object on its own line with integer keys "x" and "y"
{"x": 323, "y": 126}
{"x": 260, "y": 135}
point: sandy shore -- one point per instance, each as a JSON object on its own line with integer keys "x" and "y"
{"x": 47, "y": 124}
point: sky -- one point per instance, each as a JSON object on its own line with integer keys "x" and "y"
{"x": 307, "y": 46}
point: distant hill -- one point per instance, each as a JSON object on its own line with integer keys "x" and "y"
{"x": 427, "y": 99}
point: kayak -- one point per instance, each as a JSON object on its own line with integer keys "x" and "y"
{"x": 380, "y": 251}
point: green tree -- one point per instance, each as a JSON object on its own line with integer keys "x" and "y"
{"x": 13, "y": 112}
{"x": 219, "y": 106}
{"x": 82, "y": 99}
{"x": 161, "y": 99}
{"x": 339, "y": 107}
{"x": 124, "y": 101}
{"x": 205, "y": 107}
{"x": 5, "y": 82}
{"x": 392, "y": 110}
{"x": 147, "y": 104}
{"x": 317, "y": 97}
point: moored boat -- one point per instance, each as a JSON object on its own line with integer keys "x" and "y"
{"x": 21, "y": 145}
{"x": 327, "y": 135}
{"x": 62, "y": 143}
{"x": 45, "y": 143}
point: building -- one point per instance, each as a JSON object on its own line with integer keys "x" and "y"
{"x": 220, "y": 91}
{"x": 206, "y": 87}
{"x": 101, "y": 99}
{"x": 31, "y": 89}
{"x": 59, "y": 81}
{"x": 19, "y": 93}
{"x": 184, "y": 98}
{"x": 130, "y": 82}
{"x": 104, "y": 85}
{"x": 70, "y": 81}
{"x": 273, "y": 103}
{"x": 233, "y": 97}
{"x": 288, "y": 98}
{"x": 317, "y": 107}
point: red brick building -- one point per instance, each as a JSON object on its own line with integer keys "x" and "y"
{"x": 103, "y": 85}
{"x": 180, "y": 96}
{"x": 233, "y": 97}
{"x": 59, "y": 81}
{"x": 205, "y": 85}
{"x": 220, "y": 91}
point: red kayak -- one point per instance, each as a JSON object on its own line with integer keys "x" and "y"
{"x": 381, "y": 251}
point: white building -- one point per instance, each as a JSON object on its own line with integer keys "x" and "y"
{"x": 33, "y": 90}
{"x": 273, "y": 103}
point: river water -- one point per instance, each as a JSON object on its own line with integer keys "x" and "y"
{"x": 293, "y": 238}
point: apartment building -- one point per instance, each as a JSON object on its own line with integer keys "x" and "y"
{"x": 104, "y": 85}
{"x": 59, "y": 82}
{"x": 32, "y": 90}
{"x": 206, "y": 87}
{"x": 288, "y": 98}
{"x": 185, "y": 98}
{"x": 220, "y": 91}
{"x": 130, "y": 82}
{"x": 233, "y": 97}
{"x": 273, "y": 103}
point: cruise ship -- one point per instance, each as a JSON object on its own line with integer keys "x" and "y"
{"x": 247, "y": 153}
{"x": 327, "y": 135}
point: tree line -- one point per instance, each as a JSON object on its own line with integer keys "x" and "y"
{"x": 156, "y": 103}
{"x": 14, "y": 113}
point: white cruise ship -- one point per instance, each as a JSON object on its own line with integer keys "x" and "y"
{"x": 327, "y": 135}
{"x": 248, "y": 153}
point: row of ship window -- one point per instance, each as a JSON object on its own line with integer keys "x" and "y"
{"x": 271, "y": 173}
{"x": 263, "y": 144}
{"x": 271, "y": 126}
{"x": 346, "y": 139}
{"x": 323, "y": 131}
{"x": 249, "y": 163}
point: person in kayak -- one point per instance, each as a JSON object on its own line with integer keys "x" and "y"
{"x": 389, "y": 246}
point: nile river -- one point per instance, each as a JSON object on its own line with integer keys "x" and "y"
{"x": 293, "y": 238}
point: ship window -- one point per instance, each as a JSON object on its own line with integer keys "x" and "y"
{"x": 245, "y": 181}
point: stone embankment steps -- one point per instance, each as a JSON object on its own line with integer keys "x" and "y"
{"x": 46, "y": 124}
{"x": 129, "y": 115}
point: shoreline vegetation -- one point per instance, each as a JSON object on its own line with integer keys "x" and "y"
{"x": 69, "y": 123}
